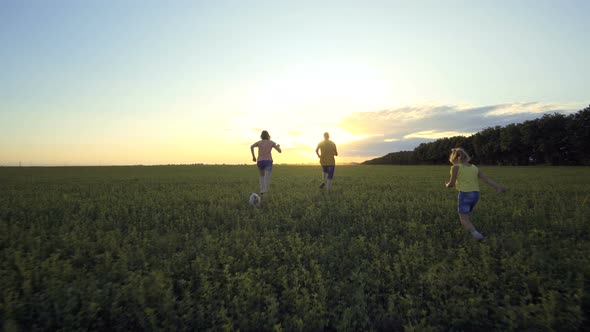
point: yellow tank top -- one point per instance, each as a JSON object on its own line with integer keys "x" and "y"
{"x": 467, "y": 178}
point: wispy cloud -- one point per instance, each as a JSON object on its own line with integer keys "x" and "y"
{"x": 405, "y": 128}
{"x": 436, "y": 134}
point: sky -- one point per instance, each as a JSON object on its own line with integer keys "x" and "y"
{"x": 119, "y": 82}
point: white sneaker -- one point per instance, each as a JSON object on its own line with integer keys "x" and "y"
{"x": 477, "y": 235}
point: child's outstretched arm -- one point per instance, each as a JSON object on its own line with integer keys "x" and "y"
{"x": 499, "y": 188}
{"x": 453, "y": 178}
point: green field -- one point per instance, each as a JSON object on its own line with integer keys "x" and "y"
{"x": 179, "y": 248}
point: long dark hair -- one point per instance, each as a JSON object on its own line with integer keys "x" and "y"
{"x": 264, "y": 135}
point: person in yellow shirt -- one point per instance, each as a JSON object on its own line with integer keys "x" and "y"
{"x": 326, "y": 151}
{"x": 465, "y": 178}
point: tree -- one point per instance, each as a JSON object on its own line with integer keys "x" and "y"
{"x": 486, "y": 145}
{"x": 511, "y": 147}
{"x": 578, "y": 131}
{"x": 552, "y": 141}
{"x": 529, "y": 133}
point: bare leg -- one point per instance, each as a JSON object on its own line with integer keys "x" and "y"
{"x": 262, "y": 173}
{"x": 466, "y": 222}
{"x": 266, "y": 182}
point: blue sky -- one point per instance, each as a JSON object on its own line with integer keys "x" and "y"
{"x": 150, "y": 82}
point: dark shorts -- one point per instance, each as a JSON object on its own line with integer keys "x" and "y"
{"x": 329, "y": 170}
{"x": 264, "y": 165}
{"x": 467, "y": 201}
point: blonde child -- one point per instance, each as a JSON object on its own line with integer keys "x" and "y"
{"x": 465, "y": 177}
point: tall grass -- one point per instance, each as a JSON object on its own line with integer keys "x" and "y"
{"x": 179, "y": 248}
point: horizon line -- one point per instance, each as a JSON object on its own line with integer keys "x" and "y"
{"x": 151, "y": 165}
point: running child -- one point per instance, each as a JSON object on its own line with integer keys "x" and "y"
{"x": 465, "y": 177}
{"x": 264, "y": 163}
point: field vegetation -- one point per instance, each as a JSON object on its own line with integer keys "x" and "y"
{"x": 179, "y": 248}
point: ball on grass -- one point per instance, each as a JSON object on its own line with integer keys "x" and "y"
{"x": 254, "y": 199}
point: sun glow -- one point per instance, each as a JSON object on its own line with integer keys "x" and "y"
{"x": 322, "y": 88}
{"x": 299, "y": 147}
{"x": 299, "y": 104}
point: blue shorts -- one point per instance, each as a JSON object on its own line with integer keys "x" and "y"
{"x": 467, "y": 201}
{"x": 265, "y": 165}
{"x": 329, "y": 170}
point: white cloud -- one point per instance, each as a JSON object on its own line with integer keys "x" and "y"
{"x": 534, "y": 108}
{"x": 436, "y": 134}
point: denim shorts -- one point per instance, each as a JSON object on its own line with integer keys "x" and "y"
{"x": 265, "y": 165}
{"x": 467, "y": 201}
{"x": 329, "y": 170}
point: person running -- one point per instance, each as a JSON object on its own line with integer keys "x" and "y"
{"x": 264, "y": 161}
{"x": 328, "y": 151}
{"x": 465, "y": 178}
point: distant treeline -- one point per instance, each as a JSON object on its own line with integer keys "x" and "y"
{"x": 554, "y": 139}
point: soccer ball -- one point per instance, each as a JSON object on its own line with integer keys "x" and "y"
{"x": 254, "y": 199}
